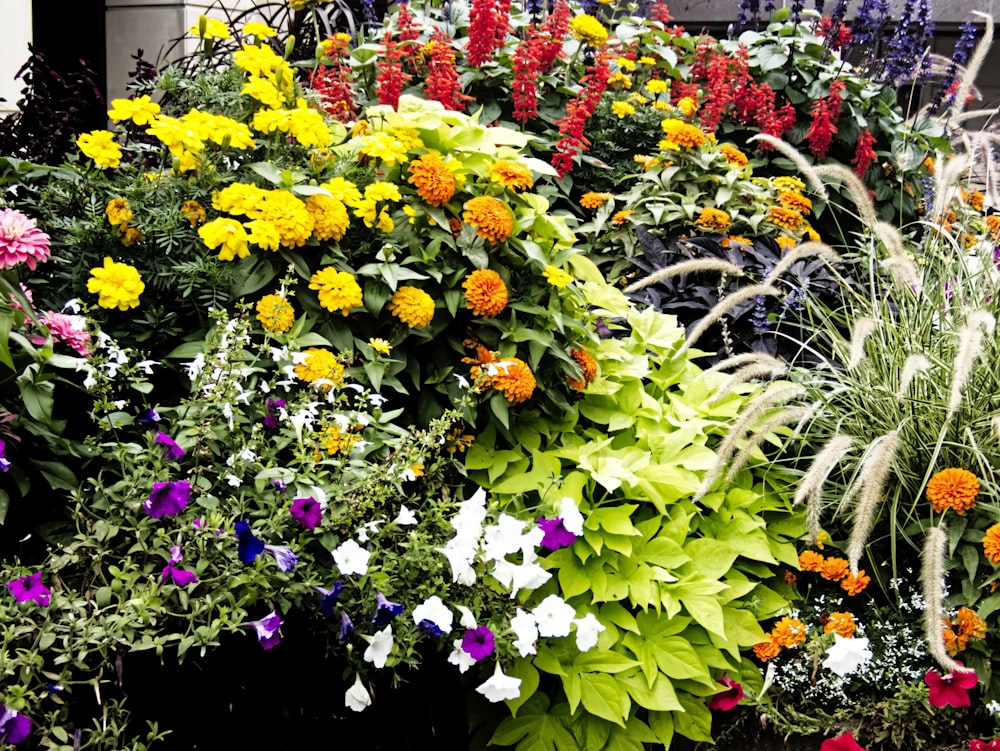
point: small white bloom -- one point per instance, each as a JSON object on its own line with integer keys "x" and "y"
{"x": 368, "y": 527}
{"x": 434, "y": 610}
{"x": 460, "y": 558}
{"x": 120, "y": 403}
{"x": 377, "y": 400}
{"x": 406, "y": 517}
{"x": 194, "y": 368}
{"x": 379, "y": 647}
{"x": 351, "y": 558}
{"x": 467, "y": 620}
{"x": 847, "y": 655}
{"x": 73, "y": 306}
{"x": 233, "y": 480}
{"x": 146, "y": 366}
{"x": 500, "y": 687}
{"x": 463, "y": 382}
{"x": 460, "y": 657}
{"x": 357, "y": 696}
{"x": 588, "y": 629}
{"x": 554, "y": 616}
{"x": 571, "y": 516}
{"x": 524, "y": 628}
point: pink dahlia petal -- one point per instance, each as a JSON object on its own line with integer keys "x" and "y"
{"x": 21, "y": 241}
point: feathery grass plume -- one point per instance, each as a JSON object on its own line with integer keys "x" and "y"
{"x": 805, "y": 167}
{"x": 912, "y": 366}
{"x": 855, "y": 187}
{"x": 900, "y": 265}
{"x": 746, "y": 373}
{"x": 745, "y": 358}
{"x": 721, "y": 308}
{"x": 863, "y": 327}
{"x": 686, "y": 267}
{"x": 804, "y": 250}
{"x": 876, "y": 465}
{"x": 761, "y": 434}
{"x": 750, "y": 415}
{"x": 932, "y": 579}
{"x": 970, "y": 345}
{"x": 975, "y": 114}
{"x": 976, "y": 60}
{"x": 810, "y": 490}
{"x": 947, "y": 184}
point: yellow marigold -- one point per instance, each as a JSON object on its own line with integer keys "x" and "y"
{"x": 485, "y": 293}
{"x": 646, "y": 60}
{"x": 514, "y": 379}
{"x": 767, "y": 650}
{"x": 991, "y": 544}
{"x": 681, "y": 134}
{"x": 308, "y": 127}
{"x": 974, "y": 199}
{"x": 588, "y": 30}
{"x": 129, "y": 235}
{"x": 382, "y": 191}
{"x": 226, "y": 234}
{"x": 412, "y": 306}
{"x": 493, "y": 219}
{"x": 337, "y": 441}
{"x": 727, "y": 242}
{"x": 140, "y": 110}
{"x": 380, "y": 345}
{"x": 433, "y": 180}
{"x": 786, "y": 243}
{"x": 343, "y": 190}
{"x": 117, "y": 285}
{"x": 257, "y": 29}
{"x": 178, "y": 136}
{"x": 645, "y": 161}
{"x": 330, "y": 219}
{"x": 511, "y": 175}
{"x": 557, "y": 277}
{"x": 210, "y": 28}
{"x": 194, "y": 212}
{"x": 713, "y": 220}
{"x": 238, "y": 198}
{"x": 588, "y": 368}
{"x": 288, "y": 214}
{"x": 687, "y": 106}
{"x": 275, "y": 314}
{"x": 788, "y": 632}
{"x": 733, "y": 155}
{"x": 993, "y": 226}
{"x": 619, "y": 81}
{"x": 319, "y": 366}
{"x": 624, "y": 63}
{"x": 337, "y": 290}
{"x": 834, "y": 569}
{"x": 787, "y": 182}
{"x": 853, "y": 584}
{"x": 659, "y": 104}
{"x": 841, "y": 623}
{"x": 258, "y": 60}
{"x": 638, "y": 99}
{"x": 782, "y": 217}
{"x": 263, "y": 234}
{"x": 100, "y": 146}
{"x": 264, "y": 91}
{"x": 953, "y": 488}
{"x": 656, "y": 86}
{"x": 118, "y": 211}
{"x": 792, "y": 199}
{"x": 594, "y": 200}
{"x": 384, "y": 146}
{"x": 622, "y": 109}
{"x": 810, "y": 560}
{"x": 620, "y": 217}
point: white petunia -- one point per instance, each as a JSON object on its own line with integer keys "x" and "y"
{"x": 588, "y": 629}
{"x": 554, "y": 616}
{"x": 503, "y": 538}
{"x": 467, "y": 619}
{"x": 406, "y": 517}
{"x": 500, "y": 687}
{"x": 351, "y": 558}
{"x": 526, "y": 630}
{"x": 460, "y": 657}
{"x": 379, "y": 647}
{"x": 434, "y": 610}
{"x": 847, "y": 655}
{"x": 357, "y": 696}
{"x": 527, "y": 576}
{"x": 571, "y": 516}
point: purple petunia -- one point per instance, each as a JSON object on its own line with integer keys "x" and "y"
{"x": 478, "y": 642}
{"x": 249, "y": 546}
{"x": 14, "y": 726}
{"x": 329, "y": 598}
{"x": 267, "y": 630}
{"x": 556, "y": 535}
{"x": 4, "y": 461}
{"x": 179, "y": 576}
{"x": 30, "y": 587}
{"x": 346, "y": 627}
{"x": 274, "y": 407}
{"x": 385, "y": 611}
{"x": 148, "y": 417}
{"x": 171, "y": 451}
{"x": 307, "y": 512}
{"x": 167, "y": 498}
{"x": 283, "y": 556}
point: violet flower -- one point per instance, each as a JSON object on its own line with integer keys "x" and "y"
{"x": 274, "y": 407}
{"x": 171, "y": 451}
{"x": 478, "y": 642}
{"x": 30, "y": 587}
{"x": 385, "y": 611}
{"x": 148, "y": 417}
{"x": 180, "y": 576}
{"x": 556, "y": 535}
{"x": 167, "y": 498}
{"x": 249, "y": 546}
{"x": 267, "y": 630}
{"x": 4, "y": 462}
{"x": 346, "y": 627}
{"x": 283, "y": 556}
{"x": 329, "y": 598}
{"x": 307, "y": 512}
{"x": 14, "y": 726}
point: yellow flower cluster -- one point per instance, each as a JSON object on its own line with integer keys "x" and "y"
{"x": 100, "y": 146}
{"x": 141, "y": 110}
{"x": 713, "y": 220}
{"x": 305, "y": 125}
{"x": 680, "y": 134}
{"x": 319, "y": 367}
{"x": 275, "y": 314}
{"x": 210, "y": 28}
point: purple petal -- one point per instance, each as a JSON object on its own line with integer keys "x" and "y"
{"x": 283, "y": 556}
{"x": 478, "y": 642}
{"x": 30, "y": 587}
{"x": 250, "y": 547}
{"x": 307, "y": 512}
{"x": 167, "y": 498}
{"x": 171, "y": 451}
{"x": 556, "y": 535}
{"x": 14, "y": 726}
{"x": 385, "y": 611}
{"x": 180, "y": 576}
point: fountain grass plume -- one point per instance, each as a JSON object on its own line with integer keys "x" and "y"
{"x": 721, "y": 308}
{"x": 762, "y": 433}
{"x": 970, "y": 345}
{"x": 686, "y": 267}
{"x": 932, "y": 573}
{"x": 875, "y": 468}
{"x": 855, "y": 188}
{"x": 748, "y": 372}
{"x": 913, "y": 366}
{"x": 804, "y": 250}
{"x": 863, "y": 327}
{"x": 810, "y": 490}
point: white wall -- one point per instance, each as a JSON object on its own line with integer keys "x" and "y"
{"x": 14, "y": 42}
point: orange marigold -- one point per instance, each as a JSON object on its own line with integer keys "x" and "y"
{"x": 787, "y": 218}
{"x": 511, "y": 175}
{"x": 485, "y": 293}
{"x": 951, "y": 641}
{"x": 993, "y": 226}
{"x": 970, "y": 625}
{"x": 767, "y": 650}
{"x": 594, "y": 200}
{"x": 433, "y": 180}
{"x": 514, "y": 379}
{"x": 588, "y": 367}
{"x": 412, "y": 306}
{"x": 953, "y": 488}
{"x": 733, "y": 155}
{"x": 713, "y": 220}
{"x": 621, "y": 217}
{"x": 810, "y": 560}
{"x": 788, "y": 632}
{"x": 991, "y": 543}
{"x": 842, "y": 623}
{"x": 853, "y": 584}
{"x": 680, "y": 134}
{"x": 974, "y": 199}
{"x": 493, "y": 219}
{"x": 835, "y": 569}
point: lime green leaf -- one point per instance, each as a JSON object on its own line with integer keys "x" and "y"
{"x": 605, "y": 697}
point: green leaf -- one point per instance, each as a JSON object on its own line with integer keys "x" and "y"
{"x": 658, "y": 697}
{"x": 524, "y": 670}
{"x": 537, "y": 728}
{"x": 695, "y": 722}
{"x": 605, "y": 697}
{"x": 4, "y": 504}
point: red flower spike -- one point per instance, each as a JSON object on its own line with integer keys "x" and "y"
{"x": 843, "y": 742}
{"x": 864, "y": 155}
{"x": 952, "y": 689}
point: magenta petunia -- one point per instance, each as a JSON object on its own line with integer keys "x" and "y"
{"x": 14, "y": 726}
{"x": 171, "y": 451}
{"x": 952, "y": 689}
{"x": 21, "y": 241}
{"x": 179, "y": 576}
{"x": 478, "y": 642}
{"x": 843, "y": 742}
{"x": 307, "y": 512}
{"x": 728, "y": 699}
{"x": 167, "y": 498}
{"x": 30, "y": 587}
{"x": 556, "y": 535}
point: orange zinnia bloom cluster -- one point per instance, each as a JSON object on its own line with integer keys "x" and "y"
{"x": 588, "y": 366}
{"x": 841, "y": 623}
{"x": 485, "y": 293}
{"x": 953, "y": 488}
{"x": 834, "y": 569}
{"x": 433, "y": 180}
{"x": 493, "y": 219}
{"x": 787, "y": 218}
{"x": 714, "y": 220}
{"x": 967, "y": 625}
{"x": 511, "y": 175}
{"x": 594, "y": 200}
{"x": 993, "y": 226}
{"x": 733, "y": 155}
{"x": 787, "y": 632}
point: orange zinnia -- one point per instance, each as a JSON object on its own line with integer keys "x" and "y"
{"x": 953, "y": 488}
{"x": 787, "y": 218}
{"x": 853, "y": 584}
{"x": 493, "y": 219}
{"x": 788, "y": 632}
{"x": 842, "y": 623}
{"x": 594, "y": 200}
{"x": 514, "y": 379}
{"x": 767, "y": 650}
{"x": 511, "y": 175}
{"x": 810, "y": 560}
{"x": 835, "y": 569}
{"x": 588, "y": 366}
{"x": 485, "y": 293}
{"x": 433, "y": 180}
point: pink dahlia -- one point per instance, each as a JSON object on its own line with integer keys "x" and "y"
{"x": 21, "y": 241}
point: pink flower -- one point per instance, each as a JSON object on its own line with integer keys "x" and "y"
{"x": 727, "y": 699}
{"x": 843, "y": 742}
{"x": 950, "y": 689}
{"x": 977, "y": 745}
{"x": 21, "y": 241}
{"x": 69, "y": 329}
